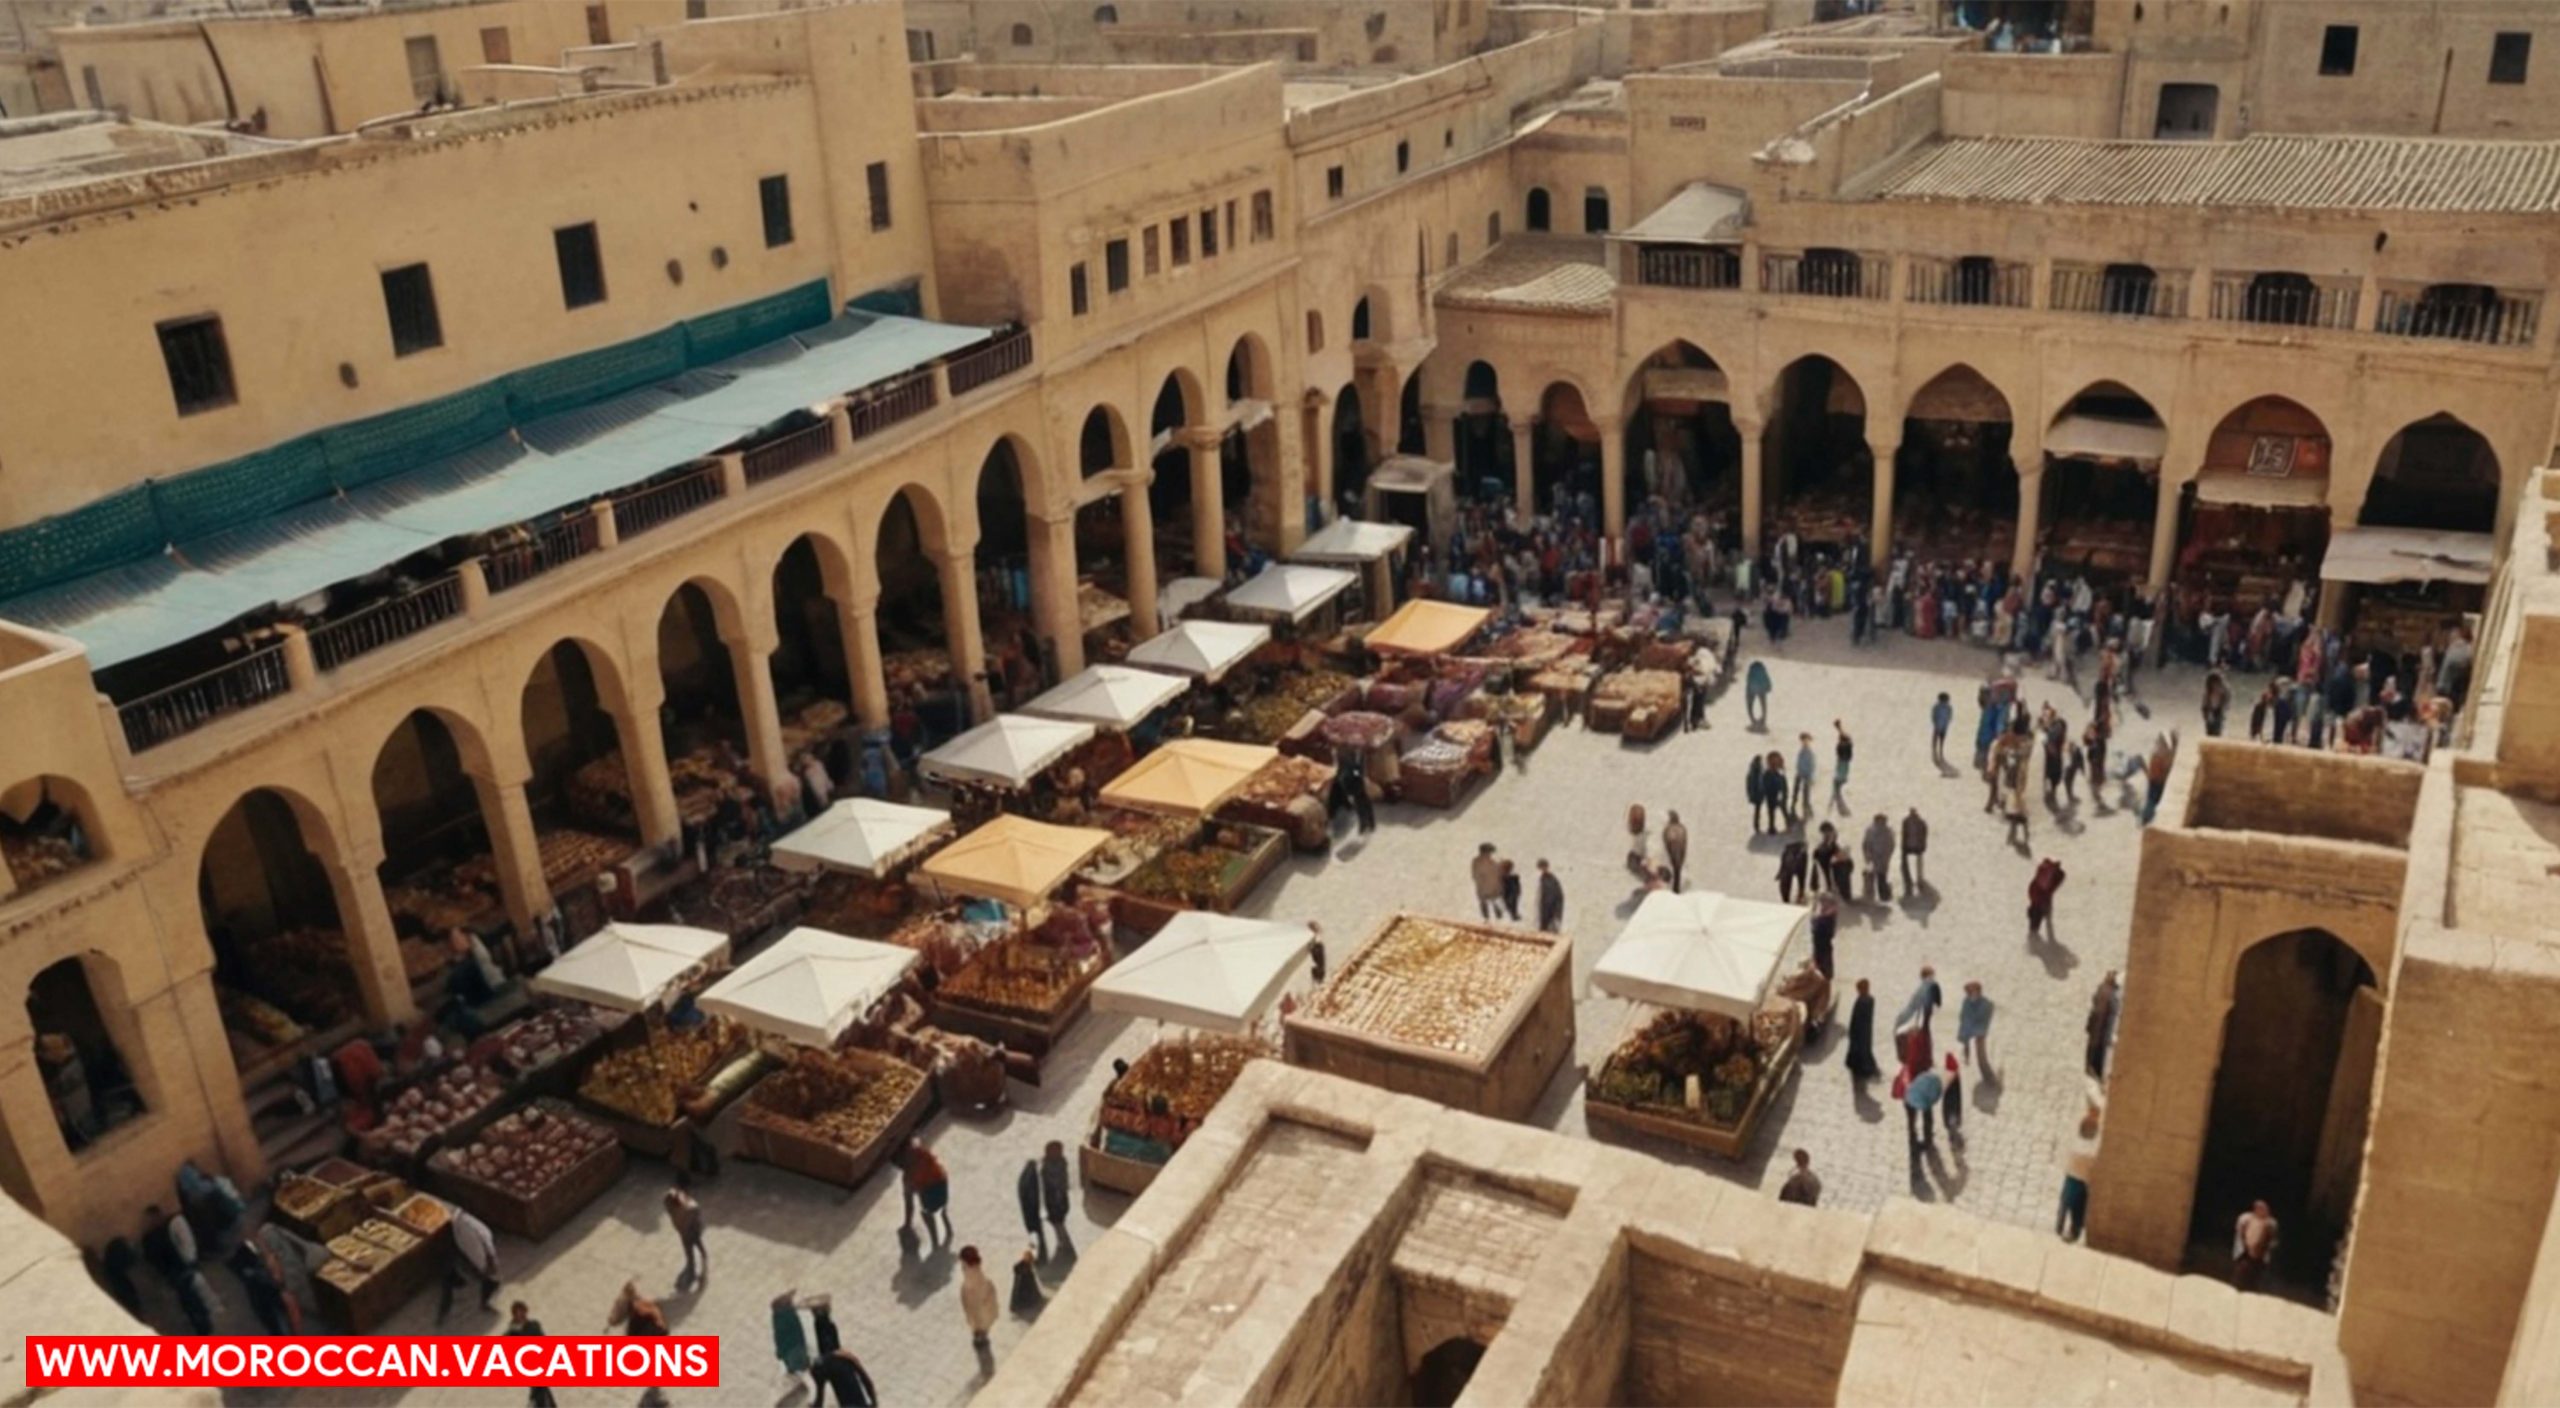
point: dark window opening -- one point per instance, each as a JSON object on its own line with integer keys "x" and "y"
{"x": 1106, "y": 14}
{"x": 2186, "y": 110}
{"x": 497, "y": 46}
{"x": 1834, "y": 273}
{"x": 199, "y": 364}
{"x": 775, "y": 193}
{"x": 1115, "y": 265}
{"x": 1360, "y": 321}
{"x": 1181, "y": 227}
{"x": 697, "y": 9}
{"x": 1265, "y": 220}
{"x": 2510, "y": 53}
{"x": 426, "y": 69}
{"x": 876, "y": 178}
{"x": 2127, "y": 288}
{"x": 1537, "y": 215}
{"x": 1976, "y": 277}
{"x": 1493, "y": 229}
{"x": 1333, "y": 182}
{"x": 1231, "y": 224}
{"x": 1209, "y": 233}
{"x": 1595, "y": 211}
{"x": 1079, "y": 298}
{"x": 599, "y": 25}
{"x": 1021, "y": 36}
{"x": 581, "y": 265}
{"x": 2338, "y": 51}
{"x": 1315, "y": 331}
{"x": 2281, "y": 298}
{"x": 409, "y": 296}
{"x": 1404, "y": 157}
{"x": 1151, "y": 248}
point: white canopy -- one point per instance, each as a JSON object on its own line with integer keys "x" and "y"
{"x": 1701, "y": 951}
{"x": 1111, "y": 696}
{"x": 1700, "y": 213}
{"x": 861, "y": 836}
{"x": 1211, "y": 971}
{"x": 2407, "y": 555}
{"x": 628, "y": 967}
{"x": 1291, "y": 589}
{"x": 1008, "y": 750}
{"x": 1181, "y": 594}
{"x": 810, "y": 985}
{"x": 1353, "y": 540}
{"x": 2106, "y": 438}
{"x": 1205, "y": 648}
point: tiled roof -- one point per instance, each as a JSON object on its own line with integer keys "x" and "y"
{"x": 1534, "y": 274}
{"x": 2286, "y": 172}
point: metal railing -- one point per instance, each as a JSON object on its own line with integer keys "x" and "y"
{"x": 2247, "y": 298}
{"x": 337, "y": 642}
{"x": 2502, "y": 320}
{"x": 2119, "y": 292}
{"x": 1703, "y": 267}
{"x": 1826, "y": 274}
{"x": 886, "y": 403}
{"x": 1971, "y": 282}
{"x": 1007, "y": 354}
{"x": 182, "y": 708}
{"x": 518, "y": 563}
{"x": 636, "y": 511}
{"x": 784, "y": 454}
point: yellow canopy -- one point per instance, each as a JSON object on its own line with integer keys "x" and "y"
{"x": 1428, "y": 627}
{"x": 1188, "y": 777}
{"x": 1013, "y": 859}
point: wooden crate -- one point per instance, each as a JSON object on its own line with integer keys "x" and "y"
{"x": 1439, "y": 789}
{"x": 377, "y": 1297}
{"x": 545, "y": 1212}
{"x": 1104, "y": 1169}
{"x": 1732, "y": 1142}
{"x": 658, "y": 1141}
{"x": 834, "y": 1163}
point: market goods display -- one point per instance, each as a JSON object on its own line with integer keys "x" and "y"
{"x": 1655, "y": 1068}
{"x": 1431, "y": 983}
{"x": 599, "y": 794}
{"x": 812, "y": 723}
{"x": 1266, "y": 717}
{"x": 1534, "y": 649}
{"x": 572, "y": 858}
{"x": 535, "y": 1042}
{"x": 303, "y": 972}
{"x": 1642, "y": 703}
{"x": 1283, "y": 780}
{"x": 1359, "y": 731}
{"x": 1189, "y": 1074}
{"x": 305, "y": 1199}
{"x": 1020, "y": 980}
{"x": 1193, "y": 876}
{"x": 525, "y": 1153}
{"x": 1136, "y": 838}
{"x": 389, "y": 1236}
{"x": 916, "y": 669}
{"x": 439, "y": 902}
{"x": 646, "y": 1081}
{"x": 431, "y": 1107}
{"x": 856, "y": 906}
{"x": 833, "y": 1100}
{"x": 739, "y": 900}
{"x": 342, "y": 1173}
{"x": 424, "y": 1213}
{"x": 422, "y": 960}
{"x": 37, "y": 860}
{"x": 257, "y": 1019}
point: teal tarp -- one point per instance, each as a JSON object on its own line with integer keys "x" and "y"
{"x": 118, "y": 529}
{"x": 203, "y": 502}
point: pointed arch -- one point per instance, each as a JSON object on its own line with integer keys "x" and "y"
{"x": 1102, "y": 444}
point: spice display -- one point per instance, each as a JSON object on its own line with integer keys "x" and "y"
{"x": 431, "y": 1107}
{"x": 1017, "y": 978}
{"x": 1193, "y": 876}
{"x": 856, "y": 906}
{"x": 646, "y": 1081}
{"x": 424, "y": 1213}
{"x": 304, "y": 1198}
{"x": 364, "y": 1255}
{"x": 1189, "y": 1074}
{"x": 341, "y": 1173}
{"x": 1653, "y": 1068}
{"x": 1283, "y": 780}
{"x": 546, "y": 1036}
{"x": 1136, "y": 838}
{"x": 1276, "y": 710}
{"x": 526, "y": 1152}
{"x": 1359, "y": 730}
{"x": 390, "y": 1237}
{"x": 834, "y": 1100}
{"x": 1431, "y": 983}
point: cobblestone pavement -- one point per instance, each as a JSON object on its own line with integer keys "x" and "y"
{"x": 898, "y": 1302}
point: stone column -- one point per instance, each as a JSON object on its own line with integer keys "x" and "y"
{"x": 472, "y": 576}
{"x": 1208, "y": 512}
{"x": 301, "y": 666}
{"x": 960, "y": 624}
{"x": 196, "y": 1018}
{"x": 1387, "y": 420}
{"x": 1440, "y": 433}
{"x": 859, "y": 622}
{"x": 644, "y": 765}
{"x": 1881, "y": 535}
{"x": 515, "y": 850}
{"x": 1138, "y": 527}
{"x": 759, "y": 711}
{"x": 1749, "y": 434}
{"x": 373, "y": 945}
{"x": 1053, "y": 590}
{"x": 2164, "y": 535}
{"x": 1613, "y": 481}
{"x": 1524, "y": 467}
{"x": 2030, "y": 513}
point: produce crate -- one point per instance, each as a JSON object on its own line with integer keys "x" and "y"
{"x": 1677, "y": 1124}
{"x": 545, "y": 1212}
{"x": 658, "y": 1141}
{"x": 834, "y": 1163}
{"x": 1439, "y": 788}
{"x": 1104, "y": 1169}
{"x": 1033, "y": 1039}
{"x": 1263, "y": 852}
{"x": 340, "y": 1208}
{"x": 1647, "y": 722}
{"x": 378, "y": 1296}
{"x": 1512, "y": 1042}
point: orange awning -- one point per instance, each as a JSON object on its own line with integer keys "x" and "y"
{"x": 1428, "y": 627}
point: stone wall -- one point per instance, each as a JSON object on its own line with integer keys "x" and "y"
{"x": 2243, "y": 787}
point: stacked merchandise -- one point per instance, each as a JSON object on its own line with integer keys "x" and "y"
{"x": 833, "y": 1115}
{"x": 531, "y": 1171}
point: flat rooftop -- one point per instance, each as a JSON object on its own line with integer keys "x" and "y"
{"x": 70, "y": 149}
{"x": 1535, "y": 274}
{"x": 2276, "y": 172}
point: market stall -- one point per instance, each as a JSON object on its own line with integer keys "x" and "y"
{"x": 1012, "y": 859}
{"x": 1215, "y": 975}
{"x": 1292, "y": 703}
{"x": 657, "y": 1080}
{"x": 1286, "y": 795}
{"x": 1704, "y": 1071}
{"x": 1289, "y": 591}
{"x": 1175, "y": 599}
{"x": 632, "y": 967}
{"x": 1471, "y": 1015}
{"x": 1027, "y": 987}
{"x": 1643, "y": 705}
{"x": 1005, "y": 752}
{"x": 385, "y": 1241}
{"x": 1367, "y": 548}
{"x": 1187, "y": 777}
{"x": 1426, "y": 627}
{"x": 1215, "y": 865}
{"x": 862, "y": 836}
{"x": 2407, "y": 586}
{"x": 1108, "y": 697}
{"x": 530, "y": 1172}
{"x": 1205, "y": 649}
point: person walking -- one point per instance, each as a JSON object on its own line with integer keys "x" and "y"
{"x": 2217, "y": 703}
{"x": 1954, "y": 1101}
{"x": 1755, "y": 785}
{"x": 1919, "y": 1092}
{"x": 977, "y": 1296}
{"x": 2100, "y": 1027}
{"x": 1793, "y": 862}
{"x": 1755, "y": 694}
{"x": 2040, "y": 890}
{"x": 1801, "y": 802}
{"x": 924, "y": 1180}
{"x": 1026, "y": 1192}
{"x": 1942, "y": 716}
{"x": 1841, "y": 748}
{"x": 2072, "y": 1214}
{"x": 839, "y": 1370}
{"x": 790, "y": 1342}
{"x": 1550, "y": 899}
{"x": 1926, "y": 998}
{"x": 2253, "y": 1246}
{"x": 1486, "y": 871}
{"x": 1824, "y": 927}
{"x": 1803, "y": 1187}
{"x": 1973, "y": 1028}
{"x": 685, "y": 1215}
{"x": 473, "y": 1256}
{"x": 1878, "y": 849}
{"x": 1511, "y": 890}
{"x": 1054, "y": 1185}
{"x": 1862, "y": 1037}
{"x": 1915, "y": 851}
{"x": 520, "y": 1321}
{"x": 1675, "y": 848}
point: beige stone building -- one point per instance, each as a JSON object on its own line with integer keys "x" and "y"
{"x": 680, "y": 372}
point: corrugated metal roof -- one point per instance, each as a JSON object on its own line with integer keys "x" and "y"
{"x": 2267, "y": 171}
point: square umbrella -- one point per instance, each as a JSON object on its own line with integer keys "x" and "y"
{"x": 1013, "y": 859}
{"x": 1109, "y": 696}
{"x": 1700, "y": 951}
{"x": 1188, "y": 777}
{"x": 860, "y": 836}
{"x": 1290, "y": 589}
{"x": 810, "y": 985}
{"x": 1205, "y": 648}
{"x": 1214, "y": 972}
{"x": 629, "y": 967}
{"x": 1008, "y": 750}
{"x": 1424, "y": 627}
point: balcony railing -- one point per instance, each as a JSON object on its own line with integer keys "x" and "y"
{"x": 1009, "y": 353}
{"x": 2499, "y": 320}
{"x": 1971, "y": 281}
{"x": 2254, "y": 298}
{"x": 884, "y": 405}
{"x": 800, "y": 448}
{"x": 636, "y": 511}
{"x": 384, "y": 622}
{"x": 181, "y": 709}
{"x": 2124, "y": 291}
{"x": 518, "y": 563}
{"x": 1701, "y": 267}
{"x": 1827, "y": 274}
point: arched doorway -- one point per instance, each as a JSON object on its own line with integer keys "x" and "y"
{"x": 1102, "y": 534}
{"x": 2439, "y": 477}
{"x": 1565, "y": 449}
{"x": 47, "y": 832}
{"x": 1364, "y": 320}
{"x": 808, "y": 653}
{"x": 700, "y": 720}
{"x": 1681, "y": 444}
{"x": 82, "y": 1047}
{"x": 580, "y": 780}
{"x": 1249, "y": 455}
{"x": 1444, "y": 1371}
{"x": 2101, "y": 492}
{"x": 2437, "y": 473}
{"x": 1016, "y": 658}
{"x": 2290, "y": 1101}
{"x": 915, "y": 643}
{"x": 1170, "y": 495}
{"x": 1813, "y": 452}
{"x": 280, "y": 965}
{"x": 1351, "y": 452}
{"x": 436, "y": 870}
{"x": 1539, "y": 214}
{"x": 1955, "y": 492}
{"x": 1484, "y": 468}
{"x": 2256, "y": 516}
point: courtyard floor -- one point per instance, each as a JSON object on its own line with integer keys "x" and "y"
{"x": 897, "y": 1302}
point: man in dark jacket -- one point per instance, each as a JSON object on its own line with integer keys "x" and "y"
{"x": 1550, "y": 900}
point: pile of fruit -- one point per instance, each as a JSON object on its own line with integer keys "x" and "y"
{"x": 599, "y": 793}
{"x": 34, "y": 860}
{"x": 1267, "y": 717}
{"x": 526, "y": 1152}
{"x": 645, "y": 1081}
{"x": 1430, "y": 983}
{"x": 546, "y": 1036}
{"x": 1652, "y": 1068}
{"x": 1283, "y": 780}
{"x": 1019, "y": 979}
{"x": 1192, "y": 876}
{"x": 432, "y": 1106}
{"x": 304, "y": 971}
{"x": 834, "y": 1100}
{"x": 1191, "y": 1074}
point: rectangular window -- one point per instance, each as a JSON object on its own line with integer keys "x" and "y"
{"x": 89, "y": 85}
{"x": 599, "y": 25}
{"x": 1115, "y": 265}
{"x": 199, "y": 364}
{"x": 1079, "y": 297}
{"x": 1231, "y": 224}
{"x": 581, "y": 265}
{"x": 775, "y": 192}
{"x": 2509, "y": 54}
{"x": 697, "y": 9}
{"x": 409, "y": 296}
{"x": 426, "y": 69}
{"x": 1181, "y": 227}
{"x": 1152, "y": 250}
{"x": 2338, "y": 51}
{"x": 497, "y": 46}
{"x": 1209, "y": 233}
{"x": 1263, "y": 223}
{"x": 1333, "y": 182}
{"x": 876, "y": 177}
